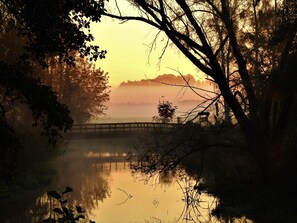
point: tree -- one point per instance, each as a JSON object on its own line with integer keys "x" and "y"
{"x": 66, "y": 24}
{"x": 264, "y": 82}
{"x": 166, "y": 111}
{"x": 82, "y": 87}
{"x": 40, "y": 28}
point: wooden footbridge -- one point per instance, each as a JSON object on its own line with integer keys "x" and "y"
{"x": 114, "y": 129}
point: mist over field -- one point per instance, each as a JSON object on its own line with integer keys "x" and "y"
{"x": 137, "y": 100}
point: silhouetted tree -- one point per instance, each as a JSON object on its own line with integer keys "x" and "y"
{"x": 54, "y": 27}
{"x": 247, "y": 30}
{"x": 40, "y": 28}
{"x": 166, "y": 112}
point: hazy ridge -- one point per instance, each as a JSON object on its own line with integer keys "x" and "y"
{"x": 137, "y": 100}
{"x": 164, "y": 79}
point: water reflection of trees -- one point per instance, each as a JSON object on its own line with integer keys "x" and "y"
{"x": 210, "y": 156}
{"x": 198, "y": 206}
{"x": 88, "y": 178}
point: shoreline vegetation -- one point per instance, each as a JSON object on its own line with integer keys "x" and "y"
{"x": 218, "y": 158}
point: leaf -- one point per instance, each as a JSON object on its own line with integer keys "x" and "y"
{"x": 67, "y": 190}
{"x": 54, "y": 194}
{"x": 80, "y": 216}
{"x": 58, "y": 210}
{"x": 66, "y": 211}
{"x": 64, "y": 202}
{"x": 49, "y": 220}
{"x": 79, "y": 210}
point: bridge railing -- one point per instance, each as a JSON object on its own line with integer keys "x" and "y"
{"x": 119, "y": 127}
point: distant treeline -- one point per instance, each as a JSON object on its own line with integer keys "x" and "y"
{"x": 164, "y": 79}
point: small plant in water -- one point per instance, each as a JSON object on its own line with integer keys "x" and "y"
{"x": 64, "y": 213}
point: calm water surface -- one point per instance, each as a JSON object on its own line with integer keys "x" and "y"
{"x": 106, "y": 188}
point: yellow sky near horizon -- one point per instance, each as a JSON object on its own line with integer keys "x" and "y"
{"x": 128, "y": 47}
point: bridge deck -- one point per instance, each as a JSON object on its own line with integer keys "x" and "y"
{"x": 109, "y": 129}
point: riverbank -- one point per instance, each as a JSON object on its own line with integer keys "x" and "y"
{"x": 219, "y": 159}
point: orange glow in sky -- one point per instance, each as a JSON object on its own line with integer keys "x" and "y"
{"x": 128, "y": 47}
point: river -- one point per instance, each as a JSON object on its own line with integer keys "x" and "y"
{"x": 105, "y": 187}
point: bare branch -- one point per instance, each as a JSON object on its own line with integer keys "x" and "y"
{"x": 214, "y": 8}
{"x": 116, "y": 2}
{"x": 163, "y": 51}
{"x": 196, "y": 26}
{"x": 135, "y": 18}
{"x": 188, "y": 84}
{"x": 152, "y": 45}
{"x": 204, "y": 58}
{"x": 239, "y": 57}
{"x": 222, "y": 44}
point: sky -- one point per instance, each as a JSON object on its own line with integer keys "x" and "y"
{"x": 129, "y": 58}
{"x": 127, "y": 46}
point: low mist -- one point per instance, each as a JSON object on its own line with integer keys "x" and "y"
{"x": 139, "y": 103}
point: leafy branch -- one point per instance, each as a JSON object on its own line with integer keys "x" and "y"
{"x": 64, "y": 213}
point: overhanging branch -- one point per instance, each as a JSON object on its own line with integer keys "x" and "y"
{"x": 135, "y": 18}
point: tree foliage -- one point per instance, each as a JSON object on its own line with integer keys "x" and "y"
{"x": 82, "y": 87}
{"x": 66, "y": 24}
{"x": 166, "y": 111}
{"x": 31, "y": 31}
